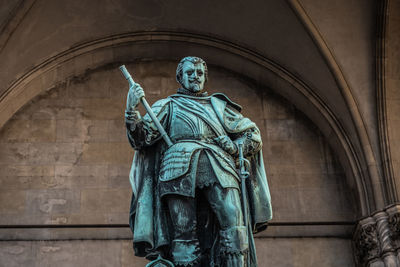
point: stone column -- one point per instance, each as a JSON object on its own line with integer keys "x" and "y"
{"x": 376, "y": 239}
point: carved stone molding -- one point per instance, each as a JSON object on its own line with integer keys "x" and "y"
{"x": 376, "y": 239}
{"x": 394, "y": 225}
{"x": 366, "y": 244}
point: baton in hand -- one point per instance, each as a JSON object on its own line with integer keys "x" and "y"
{"x": 163, "y": 133}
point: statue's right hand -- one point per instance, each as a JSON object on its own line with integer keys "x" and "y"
{"x": 134, "y": 95}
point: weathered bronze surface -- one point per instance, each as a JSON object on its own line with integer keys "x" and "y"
{"x": 198, "y": 199}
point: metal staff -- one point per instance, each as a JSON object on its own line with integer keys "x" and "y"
{"x": 163, "y": 133}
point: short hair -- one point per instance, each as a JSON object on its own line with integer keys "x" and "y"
{"x": 194, "y": 60}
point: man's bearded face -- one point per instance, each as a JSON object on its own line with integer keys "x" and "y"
{"x": 193, "y": 76}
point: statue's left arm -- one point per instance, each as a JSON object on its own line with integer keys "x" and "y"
{"x": 251, "y": 141}
{"x": 240, "y": 128}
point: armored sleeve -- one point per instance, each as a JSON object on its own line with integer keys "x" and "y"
{"x": 142, "y": 131}
{"x": 242, "y": 128}
{"x": 251, "y": 141}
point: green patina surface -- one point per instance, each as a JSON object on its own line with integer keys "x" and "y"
{"x": 198, "y": 197}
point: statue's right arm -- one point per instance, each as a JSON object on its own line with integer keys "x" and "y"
{"x": 141, "y": 131}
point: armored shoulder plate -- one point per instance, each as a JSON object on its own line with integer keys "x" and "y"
{"x": 160, "y": 103}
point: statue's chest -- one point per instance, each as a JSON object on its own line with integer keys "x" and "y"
{"x": 187, "y": 123}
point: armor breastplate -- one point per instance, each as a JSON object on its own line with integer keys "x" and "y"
{"x": 185, "y": 125}
{"x": 190, "y": 133}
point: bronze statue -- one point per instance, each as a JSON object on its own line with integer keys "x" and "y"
{"x": 192, "y": 202}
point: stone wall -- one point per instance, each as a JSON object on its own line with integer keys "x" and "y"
{"x": 95, "y": 253}
{"x": 65, "y": 159}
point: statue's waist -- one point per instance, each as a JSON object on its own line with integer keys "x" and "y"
{"x": 176, "y": 160}
{"x": 204, "y": 135}
{"x": 195, "y": 139}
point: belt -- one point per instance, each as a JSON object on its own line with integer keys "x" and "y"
{"x": 207, "y": 140}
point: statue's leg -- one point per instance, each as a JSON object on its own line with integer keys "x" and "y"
{"x": 185, "y": 246}
{"x": 233, "y": 234}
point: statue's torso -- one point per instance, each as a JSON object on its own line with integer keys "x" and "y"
{"x": 194, "y": 150}
{"x": 185, "y": 125}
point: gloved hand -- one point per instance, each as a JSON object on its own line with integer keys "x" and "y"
{"x": 134, "y": 95}
{"x": 227, "y": 144}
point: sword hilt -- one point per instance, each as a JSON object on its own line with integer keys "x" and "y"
{"x": 243, "y": 162}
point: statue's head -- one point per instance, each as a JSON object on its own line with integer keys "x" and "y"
{"x": 192, "y": 73}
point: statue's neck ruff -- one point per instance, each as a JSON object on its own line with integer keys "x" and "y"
{"x": 190, "y": 93}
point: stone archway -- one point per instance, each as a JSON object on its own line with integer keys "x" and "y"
{"x": 166, "y": 45}
{"x": 65, "y": 154}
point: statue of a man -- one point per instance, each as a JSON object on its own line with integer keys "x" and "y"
{"x": 186, "y": 203}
